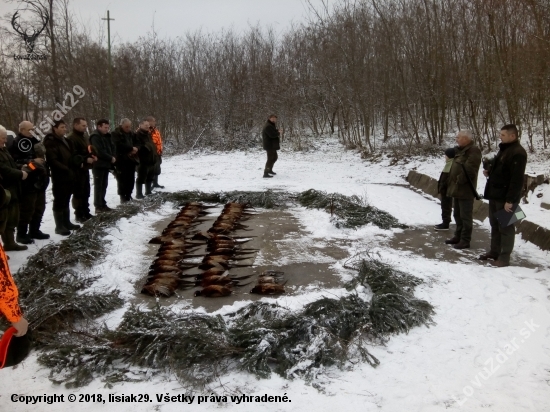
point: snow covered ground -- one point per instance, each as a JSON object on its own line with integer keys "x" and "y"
{"x": 490, "y": 348}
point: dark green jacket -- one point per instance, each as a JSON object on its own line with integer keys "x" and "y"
{"x": 505, "y": 181}
{"x": 11, "y": 174}
{"x": 271, "y": 137}
{"x": 147, "y": 151}
{"x": 62, "y": 159}
{"x": 458, "y": 186}
{"x": 444, "y": 178}
{"x": 80, "y": 145}
{"x": 105, "y": 149}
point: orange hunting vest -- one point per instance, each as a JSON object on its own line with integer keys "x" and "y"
{"x": 9, "y": 305}
{"x": 157, "y": 140}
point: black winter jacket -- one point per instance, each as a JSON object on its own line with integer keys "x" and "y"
{"x": 147, "y": 150}
{"x": 124, "y": 143}
{"x": 506, "y": 176}
{"x": 105, "y": 149}
{"x": 62, "y": 160}
{"x": 271, "y": 136}
{"x": 80, "y": 145}
{"x": 22, "y": 151}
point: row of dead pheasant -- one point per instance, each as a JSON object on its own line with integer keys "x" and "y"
{"x": 166, "y": 273}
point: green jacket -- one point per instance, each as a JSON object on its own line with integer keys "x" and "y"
{"x": 470, "y": 157}
{"x": 11, "y": 174}
{"x": 444, "y": 178}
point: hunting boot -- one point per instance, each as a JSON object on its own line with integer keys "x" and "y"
{"x": 488, "y": 255}
{"x": 462, "y": 245}
{"x": 60, "y": 229}
{"x": 67, "y": 220}
{"x": 36, "y": 233}
{"x": 22, "y": 236}
{"x": 156, "y": 182}
{"x": 499, "y": 264}
{"x": 442, "y": 226}
{"x": 148, "y": 186}
{"x": 139, "y": 191}
{"x": 266, "y": 173}
{"x": 271, "y": 172}
{"x": 9, "y": 241}
{"x": 80, "y": 218}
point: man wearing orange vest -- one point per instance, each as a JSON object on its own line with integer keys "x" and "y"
{"x": 9, "y": 305}
{"x": 157, "y": 140}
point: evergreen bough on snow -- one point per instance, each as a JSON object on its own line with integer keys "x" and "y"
{"x": 260, "y": 338}
{"x": 350, "y": 211}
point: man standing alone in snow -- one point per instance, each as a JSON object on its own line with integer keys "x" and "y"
{"x": 270, "y": 139}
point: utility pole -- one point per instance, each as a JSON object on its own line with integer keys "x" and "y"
{"x": 111, "y": 103}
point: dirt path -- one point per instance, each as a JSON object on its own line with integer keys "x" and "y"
{"x": 430, "y": 243}
{"x": 283, "y": 245}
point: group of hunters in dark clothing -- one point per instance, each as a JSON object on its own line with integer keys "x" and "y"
{"x": 28, "y": 165}
{"x": 24, "y": 175}
{"x": 457, "y": 183}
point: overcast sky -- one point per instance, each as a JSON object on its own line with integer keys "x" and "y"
{"x": 173, "y": 18}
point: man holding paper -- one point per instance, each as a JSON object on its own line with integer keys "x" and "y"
{"x": 503, "y": 190}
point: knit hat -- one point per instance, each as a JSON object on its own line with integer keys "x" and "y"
{"x": 450, "y": 152}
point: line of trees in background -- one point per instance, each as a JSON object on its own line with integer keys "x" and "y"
{"x": 374, "y": 72}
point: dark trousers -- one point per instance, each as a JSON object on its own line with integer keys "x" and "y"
{"x": 271, "y": 159}
{"x": 61, "y": 196}
{"x": 446, "y": 208}
{"x": 81, "y": 194}
{"x": 32, "y": 205}
{"x": 158, "y": 162}
{"x": 101, "y": 181}
{"x": 463, "y": 214}
{"x": 145, "y": 173}
{"x": 125, "y": 180}
{"x": 502, "y": 238}
{"x": 9, "y": 217}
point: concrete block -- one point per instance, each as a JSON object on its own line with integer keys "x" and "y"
{"x": 529, "y": 231}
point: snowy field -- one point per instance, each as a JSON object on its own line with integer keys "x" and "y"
{"x": 489, "y": 349}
